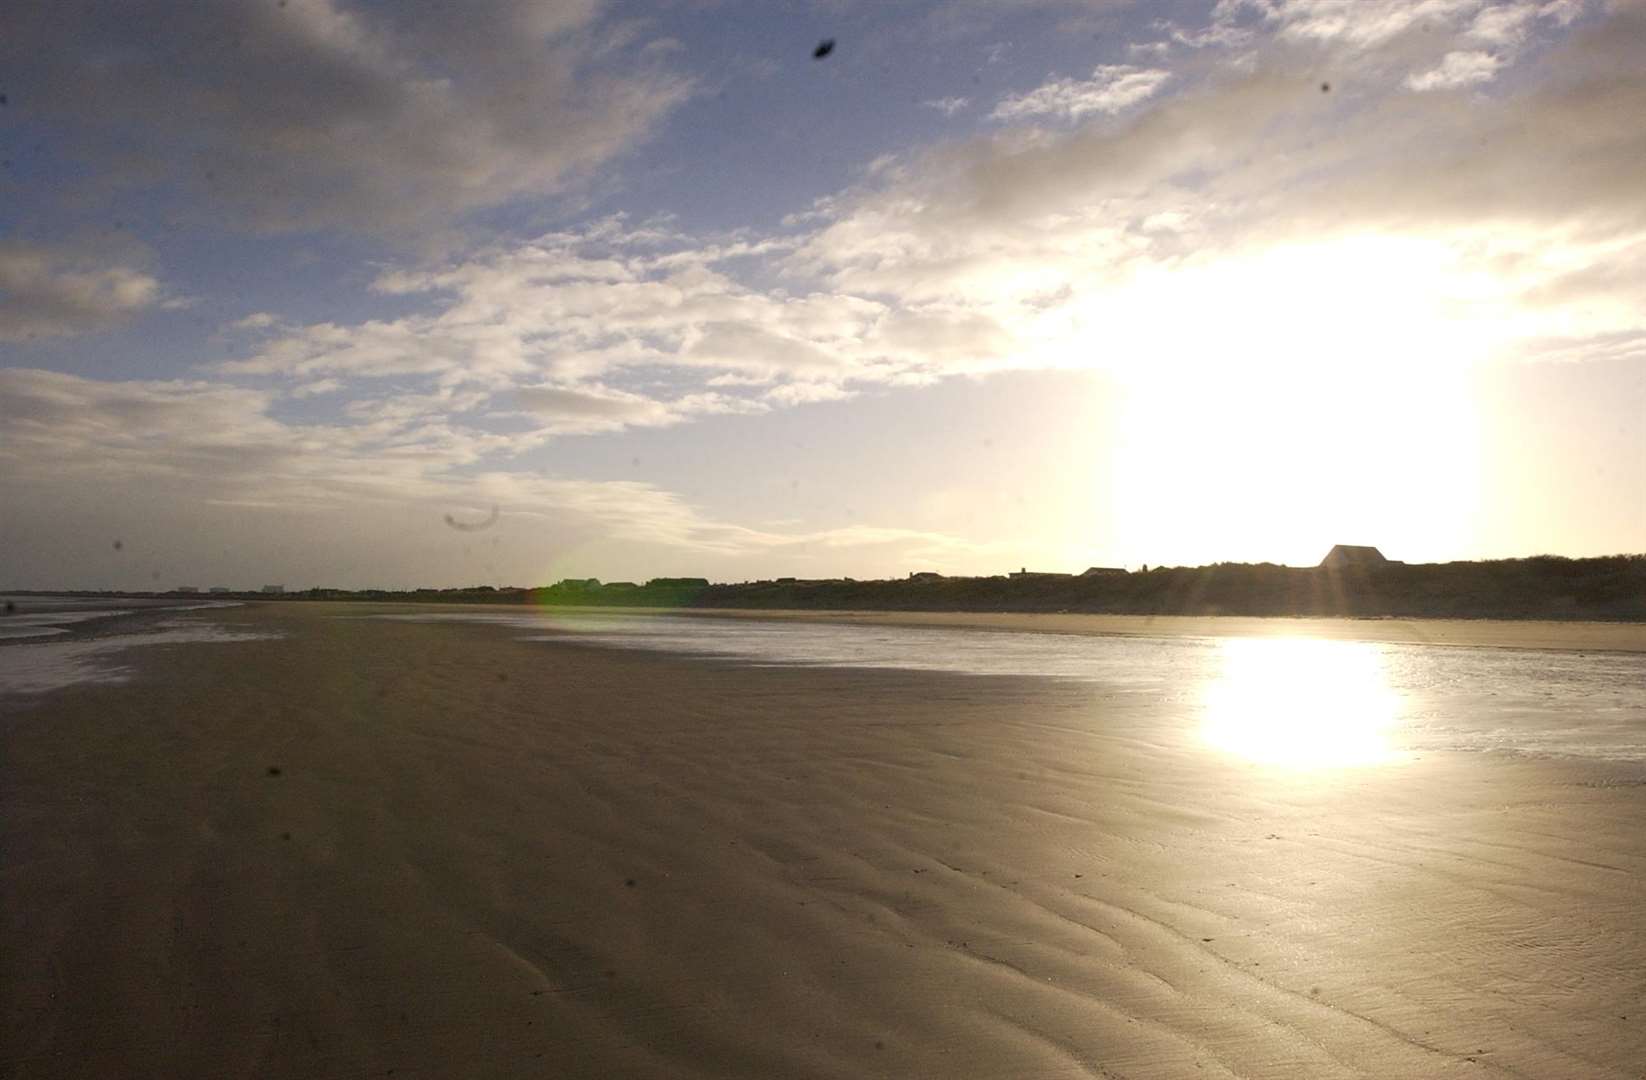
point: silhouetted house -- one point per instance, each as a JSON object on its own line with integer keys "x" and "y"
{"x": 219, "y": 589}
{"x": 272, "y": 589}
{"x": 678, "y": 583}
{"x": 925, "y": 575}
{"x": 785, "y": 581}
{"x": 187, "y": 589}
{"x": 1104, "y": 571}
{"x": 621, "y": 585}
{"x": 1026, "y": 574}
{"x": 579, "y": 583}
{"x": 1345, "y": 556}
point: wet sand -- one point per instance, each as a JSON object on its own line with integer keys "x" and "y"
{"x": 1572, "y": 636}
{"x": 382, "y": 848}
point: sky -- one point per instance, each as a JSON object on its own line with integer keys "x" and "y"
{"x": 350, "y": 294}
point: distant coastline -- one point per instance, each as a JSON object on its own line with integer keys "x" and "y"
{"x": 1552, "y": 588}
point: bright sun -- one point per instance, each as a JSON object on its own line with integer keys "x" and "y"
{"x": 1279, "y": 403}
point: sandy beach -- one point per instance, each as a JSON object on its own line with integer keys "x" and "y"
{"x": 386, "y": 848}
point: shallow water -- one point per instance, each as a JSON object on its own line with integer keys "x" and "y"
{"x": 40, "y": 667}
{"x": 32, "y": 615}
{"x": 1286, "y": 700}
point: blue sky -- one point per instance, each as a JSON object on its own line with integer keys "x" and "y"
{"x": 996, "y": 283}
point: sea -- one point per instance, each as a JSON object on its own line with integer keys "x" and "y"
{"x": 52, "y": 642}
{"x": 1280, "y": 700}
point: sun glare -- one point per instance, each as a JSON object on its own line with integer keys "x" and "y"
{"x": 1277, "y": 403}
{"x": 1302, "y": 703}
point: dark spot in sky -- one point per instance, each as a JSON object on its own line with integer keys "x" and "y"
{"x": 824, "y": 48}
{"x": 1325, "y": 88}
{"x": 11, "y": 606}
{"x": 274, "y": 770}
{"x": 285, "y": 836}
{"x": 473, "y": 526}
{"x": 3, "y": 100}
{"x": 119, "y": 544}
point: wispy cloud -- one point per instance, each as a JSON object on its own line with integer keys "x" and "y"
{"x": 1111, "y": 89}
{"x": 948, "y": 106}
{"x": 1457, "y": 69}
{"x": 197, "y": 449}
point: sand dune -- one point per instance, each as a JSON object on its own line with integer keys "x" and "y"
{"x": 489, "y": 857}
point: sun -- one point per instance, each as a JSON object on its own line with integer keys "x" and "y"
{"x": 1308, "y": 395}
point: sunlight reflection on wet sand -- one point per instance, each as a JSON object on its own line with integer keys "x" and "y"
{"x": 1302, "y": 703}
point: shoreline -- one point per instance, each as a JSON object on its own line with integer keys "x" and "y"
{"x": 1547, "y": 635}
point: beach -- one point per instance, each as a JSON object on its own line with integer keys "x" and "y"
{"x": 374, "y": 847}
{"x": 1572, "y": 636}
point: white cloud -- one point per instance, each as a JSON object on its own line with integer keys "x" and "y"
{"x": 1503, "y": 25}
{"x": 1098, "y": 246}
{"x": 1360, "y": 24}
{"x": 1457, "y": 69}
{"x": 1563, "y": 12}
{"x": 55, "y": 292}
{"x": 948, "y": 106}
{"x": 576, "y": 311}
{"x": 1111, "y": 89}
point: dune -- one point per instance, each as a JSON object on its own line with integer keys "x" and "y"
{"x": 374, "y": 848}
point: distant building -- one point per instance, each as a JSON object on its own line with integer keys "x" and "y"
{"x": 274, "y": 589}
{"x": 219, "y": 589}
{"x": 677, "y": 583}
{"x": 925, "y": 575}
{"x": 1344, "y": 556}
{"x": 1104, "y": 571}
{"x": 578, "y": 583}
{"x": 621, "y": 585}
{"x": 1026, "y": 574}
{"x": 187, "y": 589}
{"x": 785, "y": 581}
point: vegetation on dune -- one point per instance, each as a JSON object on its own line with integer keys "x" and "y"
{"x": 1541, "y": 587}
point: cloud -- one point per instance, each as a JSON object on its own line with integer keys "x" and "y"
{"x": 1247, "y": 198}
{"x": 173, "y": 455}
{"x": 1098, "y": 242}
{"x": 575, "y": 307}
{"x": 1457, "y": 69}
{"x": 1360, "y": 24}
{"x": 318, "y": 113}
{"x": 948, "y": 106}
{"x": 590, "y": 408}
{"x": 1111, "y": 89}
{"x": 55, "y": 292}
